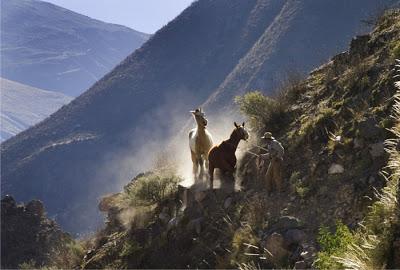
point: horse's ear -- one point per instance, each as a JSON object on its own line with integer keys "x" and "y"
{"x": 243, "y": 124}
{"x": 236, "y": 125}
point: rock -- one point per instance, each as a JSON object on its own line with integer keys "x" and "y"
{"x": 336, "y": 169}
{"x": 340, "y": 58}
{"x": 275, "y": 245}
{"x": 195, "y": 225}
{"x": 8, "y": 205}
{"x": 108, "y": 202}
{"x": 294, "y": 237}
{"x": 228, "y": 202}
{"x": 376, "y": 149}
{"x": 286, "y": 223}
{"x": 369, "y": 128}
{"x": 308, "y": 254}
{"x": 359, "y": 45}
{"x": 371, "y": 179}
{"x": 35, "y": 207}
{"x": 300, "y": 265}
{"x": 358, "y": 143}
{"x": 396, "y": 253}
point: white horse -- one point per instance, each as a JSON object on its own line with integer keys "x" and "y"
{"x": 200, "y": 142}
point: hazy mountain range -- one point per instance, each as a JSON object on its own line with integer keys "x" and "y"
{"x": 23, "y": 106}
{"x": 212, "y": 51}
{"x": 52, "y": 48}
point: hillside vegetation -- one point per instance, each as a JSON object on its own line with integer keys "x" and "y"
{"x": 339, "y": 208}
{"x": 213, "y": 51}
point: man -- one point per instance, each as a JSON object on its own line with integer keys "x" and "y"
{"x": 275, "y": 153}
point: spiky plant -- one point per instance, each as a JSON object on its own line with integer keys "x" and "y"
{"x": 372, "y": 241}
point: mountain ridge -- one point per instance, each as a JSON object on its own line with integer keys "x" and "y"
{"x": 53, "y": 48}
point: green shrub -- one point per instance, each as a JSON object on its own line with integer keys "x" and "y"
{"x": 31, "y": 264}
{"x": 396, "y": 50}
{"x": 151, "y": 188}
{"x": 129, "y": 248}
{"x": 320, "y": 125}
{"x": 261, "y": 110}
{"x": 332, "y": 245}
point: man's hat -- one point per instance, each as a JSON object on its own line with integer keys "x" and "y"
{"x": 268, "y": 135}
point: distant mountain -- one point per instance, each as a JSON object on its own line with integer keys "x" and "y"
{"x": 211, "y": 51}
{"x": 23, "y": 106}
{"x": 55, "y": 49}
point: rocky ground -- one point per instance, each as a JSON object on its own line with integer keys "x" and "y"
{"x": 333, "y": 127}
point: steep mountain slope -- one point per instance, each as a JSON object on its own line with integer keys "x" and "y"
{"x": 23, "y": 106}
{"x": 335, "y": 202}
{"x": 178, "y": 68}
{"x": 55, "y": 49}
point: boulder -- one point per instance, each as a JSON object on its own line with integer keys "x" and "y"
{"x": 300, "y": 265}
{"x": 275, "y": 246}
{"x": 228, "y": 202}
{"x": 287, "y": 223}
{"x": 359, "y": 45}
{"x": 336, "y": 169}
{"x": 35, "y": 207}
{"x": 377, "y": 149}
{"x": 396, "y": 253}
{"x": 369, "y": 128}
{"x": 8, "y": 205}
{"x": 358, "y": 143}
{"x": 107, "y": 202}
{"x": 294, "y": 237}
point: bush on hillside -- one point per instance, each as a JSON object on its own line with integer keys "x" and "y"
{"x": 151, "y": 188}
{"x": 261, "y": 110}
{"x": 332, "y": 245}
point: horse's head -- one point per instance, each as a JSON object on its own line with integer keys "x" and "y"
{"x": 241, "y": 132}
{"x": 200, "y": 117}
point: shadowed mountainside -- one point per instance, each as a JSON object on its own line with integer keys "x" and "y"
{"x": 228, "y": 46}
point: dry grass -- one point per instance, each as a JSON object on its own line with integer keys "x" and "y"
{"x": 373, "y": 239}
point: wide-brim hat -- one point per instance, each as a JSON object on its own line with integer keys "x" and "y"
{"x": 268, "y": 135}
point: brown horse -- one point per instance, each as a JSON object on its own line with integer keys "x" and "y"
{"x": 223, "y": 156}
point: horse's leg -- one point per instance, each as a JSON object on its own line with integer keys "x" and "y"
{"x": 211, "y": 175}
{"x": 201, "y": 164}
{"x": 228, "y": 170}
{"x": 206, "y": 165}
{"x": 195, "y": 165}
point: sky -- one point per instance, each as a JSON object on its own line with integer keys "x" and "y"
{"x": 142, "y": 15}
